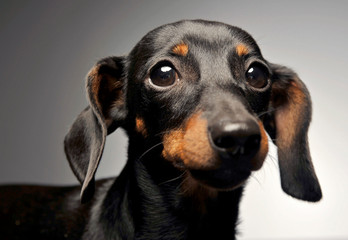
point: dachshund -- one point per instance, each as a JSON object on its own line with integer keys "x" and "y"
{"x": 199, "y": 104}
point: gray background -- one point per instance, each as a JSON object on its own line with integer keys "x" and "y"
{"x": 47, "y": 47}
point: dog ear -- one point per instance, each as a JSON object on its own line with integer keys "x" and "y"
{"x": 85, "y": 141}
{"x": 287, "y": 123}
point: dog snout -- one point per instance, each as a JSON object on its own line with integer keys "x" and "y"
{"x": 235, "y": 139}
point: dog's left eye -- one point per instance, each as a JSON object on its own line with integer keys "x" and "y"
{"x": 257, "y": 75}
{"x": 163, "y": 76}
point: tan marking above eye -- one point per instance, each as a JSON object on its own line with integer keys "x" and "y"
{"x": 181, "y": 49}
{"x": 241, "y": 50}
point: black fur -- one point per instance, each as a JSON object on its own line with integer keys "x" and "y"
{"x": 161, "y": 197}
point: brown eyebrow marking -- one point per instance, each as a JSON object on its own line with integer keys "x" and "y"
{"x": 241, "y": 50}
{"x": 180, "y": 49}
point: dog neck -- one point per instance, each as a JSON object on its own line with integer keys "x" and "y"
{"x": 160, "y": 202}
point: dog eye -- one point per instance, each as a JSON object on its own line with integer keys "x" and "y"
{"x": 163, "y": 76}
{"x": 257, "y": 76}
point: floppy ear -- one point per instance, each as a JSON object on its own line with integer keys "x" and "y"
{"x": 287, "y": 123}
{"x": 85, "y": 141}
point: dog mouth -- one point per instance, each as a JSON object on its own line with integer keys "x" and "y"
{"x": 220, "y": 156}
{"x": 223, "y": 178}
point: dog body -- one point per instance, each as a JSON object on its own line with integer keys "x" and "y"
{"x": 196, "y": 99}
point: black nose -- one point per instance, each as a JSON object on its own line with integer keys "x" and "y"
{"x": 236, "y": 138}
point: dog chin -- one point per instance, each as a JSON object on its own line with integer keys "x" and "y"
{"x": 223, "y": 180}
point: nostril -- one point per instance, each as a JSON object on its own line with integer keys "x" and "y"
{"x": 242, "y": 145}
{"x": 229, "y": 144}
{"x": 241, "y": 139}
{"x": 225, "y": 142}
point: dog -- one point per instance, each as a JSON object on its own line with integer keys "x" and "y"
{"x": 199, "y": 104}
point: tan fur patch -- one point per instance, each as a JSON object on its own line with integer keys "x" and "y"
{"x": 140, "y": 126}
{"x": 102, "y": 85}
{"x": 258, "y": 160}
{"x": 190, "y": 145}
{"x": 181, "y": 49}
{"x": 94, "y": 74}
{"x": 241, "y": 50}
{"x": 197, "y": 152}
{"x": 289, "y": 115}
{"x": 172, "y": 145}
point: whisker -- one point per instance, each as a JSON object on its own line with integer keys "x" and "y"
{"x": 256, "y": 179}
{"x": 167, "y": 131}
{"x": 180, "y": 188}
{"x": 173, "y": 179}
{"x": 148, "y": 150}
{"x": 273, "y": 160}
{"x": 271, "y": 110}
{"x": 265, "y": 112}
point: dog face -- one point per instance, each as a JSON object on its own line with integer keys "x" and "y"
{"x": 204, "y": 91}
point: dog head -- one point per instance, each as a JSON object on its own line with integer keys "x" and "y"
{"x": 206, "y": 92}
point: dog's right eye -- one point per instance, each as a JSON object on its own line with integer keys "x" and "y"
{"x": 163, "y": 75}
